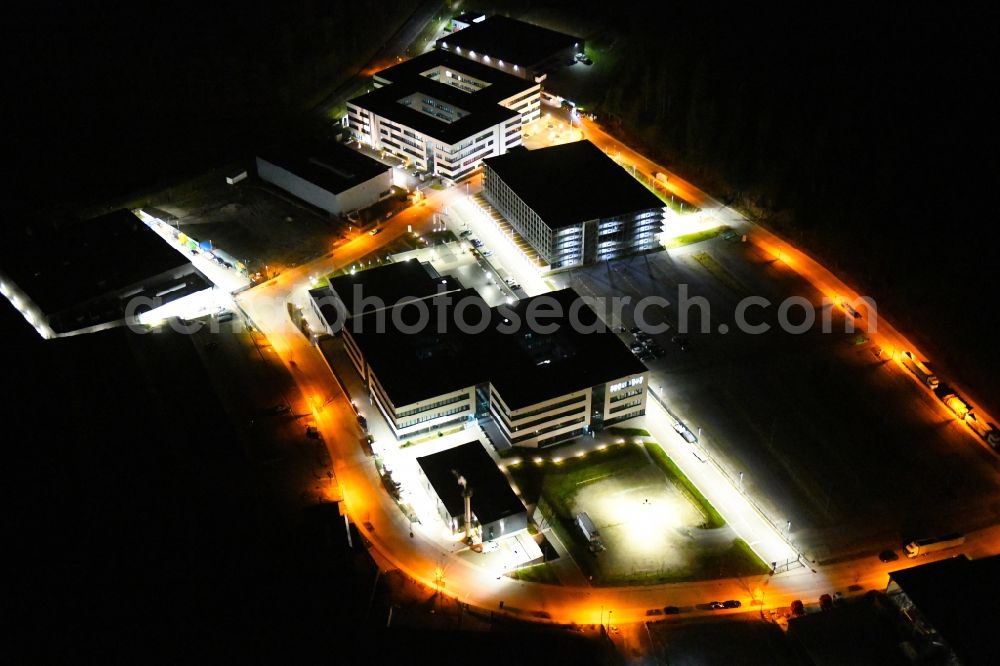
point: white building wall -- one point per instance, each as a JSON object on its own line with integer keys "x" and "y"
{"x": 360, "y": 196}
{"x": 546, "y": 420}
{"x": 626, "y": 397}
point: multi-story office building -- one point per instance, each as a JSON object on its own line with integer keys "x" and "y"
{"x": 444, "y": 113}
{"x": 573, "y": 203}
{"x": 547, "y": 387}
{"x": 462, "y": 360}
{"x": 522, "y": 49}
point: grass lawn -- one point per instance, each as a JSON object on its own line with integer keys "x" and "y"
{"x": 719, "y": 272}
{"x": 677, "y": 477}
{"x": 735, "y": 561}
{"x": 696, "y": 237}
{"x": 560, "y": 487}
{"x": 629, "y": 432}
{"x": 537, "y": 573}
{"x": 560, "y": 481}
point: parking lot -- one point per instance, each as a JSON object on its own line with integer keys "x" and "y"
{"x": 251, "y": 220}
{"x": 815, "y": 427}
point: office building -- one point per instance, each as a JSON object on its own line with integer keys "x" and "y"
{"x": 573, "y": 204}
{"x": 522, "y": 49}
{"x": 443, "y": 113}
{"x": 461, "y": 360}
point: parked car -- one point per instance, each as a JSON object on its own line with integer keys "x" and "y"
{"x": 375, "y": 231}
{"x": 487, "y": 253}
{"x": 732, "y": 603}
{"x": 671, "y": 610}
{"x": 716, "y": 605}
{"x": 888, "y": 556}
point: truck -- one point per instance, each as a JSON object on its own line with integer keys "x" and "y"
{"x": 919, "y": 370}
{"x": 924, "y": 546}
{"x": 589, "y": 530}
{"x": 953, "y": 401}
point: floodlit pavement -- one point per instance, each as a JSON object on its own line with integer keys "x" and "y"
{"x": 422, "y": 556}
{"x": 739, "y": 514}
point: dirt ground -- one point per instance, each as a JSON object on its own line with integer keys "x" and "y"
{"x": 257, "y": 223}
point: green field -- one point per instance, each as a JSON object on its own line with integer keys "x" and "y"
{"x": 656, "y": 526}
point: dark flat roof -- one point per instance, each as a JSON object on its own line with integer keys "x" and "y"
{"x": 958, "y": 597}
{"x": 413, "y": 366}
{"x": 59, "y": 268}
{"x": 572, "y": 183}
{"x": 468, "y": 16}
{"x": 510, "y": 40}
{"x": 525, "y": 367}
{"x": 392, "y": 283}
{"x": 492, "y": 497}
{"x": 531, "y": 367}
{"x": 502, "y": 85}
{"x": 484, "y": 112}
{"x": 332, "y": 166}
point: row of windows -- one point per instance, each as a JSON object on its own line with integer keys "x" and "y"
{"x": 546, "y": 419}
{"x": 579, "y": 419}
{"x": 623, "y": 417}
{"x": 561, "y": 437}
{"x": 524, "y": 220}
{"x": 626, "y": 395}
{"x": 435, "y": 405}
{"x": 429, "y": 417}
{"x": 631, "y": 403}
{"x": 542, "y": 410}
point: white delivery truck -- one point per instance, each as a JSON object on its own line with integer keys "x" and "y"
{"x": 924, "y": 546}
{"x": 590, "y": 532}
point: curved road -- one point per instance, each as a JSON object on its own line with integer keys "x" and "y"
{"x": 424, "y": 559}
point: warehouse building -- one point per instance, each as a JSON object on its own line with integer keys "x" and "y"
{"x": 573, "y": 204}
{"x": 465, "y": 361}
{"x": 465, "y": 19}
{"x": 467, "y": 472}
{"x": 522, "y": 49}
{"x": 444, "y": 113}
{"x": 332, "y": 176}
{"x": 952, "y": 606}
{"x": 83, "y": 277}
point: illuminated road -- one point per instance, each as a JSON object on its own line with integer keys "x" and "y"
{"x": 887, "y": 336}
{"x": 422, "y": 557}
{"x": 425, "y": 558}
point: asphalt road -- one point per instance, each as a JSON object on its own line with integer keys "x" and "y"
{"x": 421, "y": 558}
